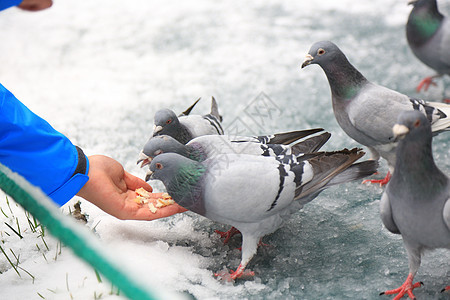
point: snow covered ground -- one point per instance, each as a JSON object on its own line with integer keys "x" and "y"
{"x": 98, "y": 70}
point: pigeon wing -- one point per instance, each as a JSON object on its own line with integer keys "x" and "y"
{"x": 386, "y": 214}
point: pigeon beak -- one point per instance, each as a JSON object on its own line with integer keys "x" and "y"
{"x": 144, "y": 159}
{"x": 412, "y": 2}
{"x": 308, "y": 60}
{"x": 148, "y": 176}
{"x": 399, "y": 131}
{"x": 156, "y": 129}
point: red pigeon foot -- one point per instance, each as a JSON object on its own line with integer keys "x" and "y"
{"x": 406, "y": 288}
{"x": 382, "y": 182}
{"x": 447, "y": 288}
{"x": 425, "y": 83}
{"x": 232, "y": 275}
{"x": 227, "y": 234}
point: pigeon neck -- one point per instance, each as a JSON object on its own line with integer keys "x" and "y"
{"x": 184, "y": 136}
{"x": 185, "y": 187}
{"x": 423, "y": 22}
{"x": 345, "y": 80}
{"x": 195, "y": 152}
{"x": 415, "y": 165}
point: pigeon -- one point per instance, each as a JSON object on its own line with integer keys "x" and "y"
{"x": 416, "y": 202}
{"x": 428, "y": 35}
{"x": 207, "y": 146}
{"x": 367, "y": 111}
{"x": 253, "y": 193}
{"x": 185, "y": 126}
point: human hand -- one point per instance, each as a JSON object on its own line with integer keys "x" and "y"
{"x": 112, "y": 189}
{"x": 35, "y": 5}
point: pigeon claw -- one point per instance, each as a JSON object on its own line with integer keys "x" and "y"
{"x": 382, "y": 182}
{"x": 447, "y": 288}
{"x": 227, "y": 234}
{"x": 233, "y": 275}
{"x": 406, "y": 288}
{"x": 425, "y": 83}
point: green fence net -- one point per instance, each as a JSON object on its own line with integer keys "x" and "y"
{"x": 83, "y": 243}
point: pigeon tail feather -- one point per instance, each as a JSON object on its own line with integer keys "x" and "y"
{"x": 355, "y": 171}
{"x": 327, "y": 166}
{"x": 189, "y": 109}
{"x": 443, "y": 124}
{"x": 312, "y": 144}
{"x": 286, "y": 138}
{"x": 215, "y": 109}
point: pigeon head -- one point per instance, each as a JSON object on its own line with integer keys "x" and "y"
{"x": 166, "y": 122}
{"x": 414, "y": 164}
{"x": 181, "y": 176}
{"x": 322, "y": 53}
{"x": 413, "y": 125}
{"x": 423, "y": 21}
{"x": 161, "y": 144}
{"x": 430, "y": 5}
{"x": 345, "y": 80}
{"x": 167, "y": 166}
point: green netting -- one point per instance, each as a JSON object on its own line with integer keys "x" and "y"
{"x": 83, "y": 243}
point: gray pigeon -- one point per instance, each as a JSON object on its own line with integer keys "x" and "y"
{"x": 186, "y": 127}
{"x": 428, "y": 35}
{"x": 206, "y": 146}
{"x": 416, "y": 203}
{"x": 366, "y": 111}
{"x": 254, "y": 194}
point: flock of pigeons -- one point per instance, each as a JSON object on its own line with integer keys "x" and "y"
{"x": 255, "y": 183}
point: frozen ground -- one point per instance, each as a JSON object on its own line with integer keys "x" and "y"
{"x": 97, "y": 71}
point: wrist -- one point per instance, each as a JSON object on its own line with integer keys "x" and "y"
{"x": 75, "y": 183}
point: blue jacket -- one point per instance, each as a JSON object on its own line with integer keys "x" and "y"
{"x": 4, "y": 4}
{"x": 35, "y": 150}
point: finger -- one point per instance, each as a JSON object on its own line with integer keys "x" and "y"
{"x": 134, "y": 182}
{"x": 144, "y": 212}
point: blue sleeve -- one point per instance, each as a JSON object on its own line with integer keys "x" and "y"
{"x": 4, "y": 4}
{"x": 35, "y": 150}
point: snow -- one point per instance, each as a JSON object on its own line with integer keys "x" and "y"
{"x": 98, "y": 70}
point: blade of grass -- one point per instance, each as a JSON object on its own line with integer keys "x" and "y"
{"x": 18, "y": 225}
{"x": 58, "y": 245}
{"x": 16, "y": 257}
{"x": 67, "y": 282}
{"x": 32, "y": 227}
{"x": 32, "y": 277}
{"x": 7, "y": 202}
{"x": 45, "y": 244}
{"x": 10, "y": 227}
{"x": 4, "y": 213}
{"x": 10, "y": 262}
{"x": 97, "y": 274}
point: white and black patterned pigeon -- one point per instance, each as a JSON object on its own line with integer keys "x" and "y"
{"x": 366, "y": 111}
{"x": 428, "y": 35}
{"x": 255, "y": 194}
{"x": 206, "y": 146}
{"x": 185, "y": 126}
{"x": 416, "y": 203}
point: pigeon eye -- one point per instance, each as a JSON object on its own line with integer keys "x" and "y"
{"x": 417, "y": 123}
{"x": 158, "y": 152}
{"x": 169, "y": 121}
{"x": 159, "y": 166}
{"x": 320, "y": 51}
